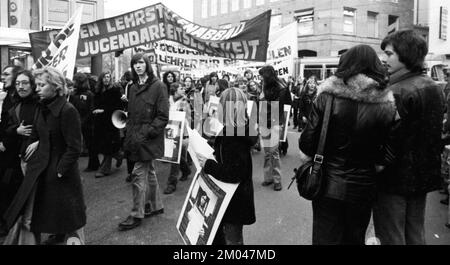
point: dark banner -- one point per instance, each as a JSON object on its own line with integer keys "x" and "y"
{"x": 247, "y": 41}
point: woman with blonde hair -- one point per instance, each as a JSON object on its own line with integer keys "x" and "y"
{"x": 52, "y": 165}
{"x": 233, "y": 164}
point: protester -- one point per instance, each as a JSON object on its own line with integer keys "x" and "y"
{"x": 399, "y": 213}
{"x": 226, "y": 77}
{"x": 270, "y": 126}
{"x": 52, "y": 165}
{"x": 18, "y": 130}
{"x": 362, "y": 117}
{"x": 106, "y": 136}
{"x": 8, "y": 78}
{"x": 296, "y": 103}
{"x": 286, "y": 100}
{"x": 148, "y": 112}
{"x": 253, "y": 93}
{"x": 233, "y": 164}
{"x": 83, "y": 100}
{"x": 125, "y": 84}
{"x": 168, "y": 79}
{"x": 248, "y": 75}
{"x": 211, "y": 86}
{"x": 180, "y": 103}
{"x": 223, "y": 85}
{"x": 307, "y": 97}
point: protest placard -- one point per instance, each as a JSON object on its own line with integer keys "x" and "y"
{"x": 62, "y": 51}
{"x": 173, "y": 137}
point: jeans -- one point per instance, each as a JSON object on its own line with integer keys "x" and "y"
{"x": 399, "y": 220}
{"x": 338, "y": 222}
{"x": 272, "y": 166}
{"x": 145, "y": 189}
{"x": 229, "y": 234}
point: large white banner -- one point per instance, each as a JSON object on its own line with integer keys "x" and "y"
{"x": 281, "y": 54}
{"x": 62, "y": 51}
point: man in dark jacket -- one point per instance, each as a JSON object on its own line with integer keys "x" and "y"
{"x": 148, "y": 115}
{"x": 400, "y": 210}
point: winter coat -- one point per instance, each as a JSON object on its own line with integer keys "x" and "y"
{"x": 282, "y": 98}
{"x": 420, "y": 104}
{"x": 106, "y": 135}
{"x": 306, "y": 101}
{"x": 148, "y": 115}
{"x": 360, "y": 125}
{"x": 84, "y": 103}
{"x": 59, "y": 204}
{"x": 234, "y": 165}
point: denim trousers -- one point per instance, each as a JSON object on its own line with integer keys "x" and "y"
{"x": 272, "y": 165}
{"x": 399, "y": 220}
{"x": 337, "y": 222}
{"x": 145, "y": 189}
{"x": 229, "y": 234}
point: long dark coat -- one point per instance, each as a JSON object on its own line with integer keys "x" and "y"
{"x": 106, "y": 136}
{"x": 235, "y": 166}
{"x": 148, "y": 115}
{"x": 59, "y": 205}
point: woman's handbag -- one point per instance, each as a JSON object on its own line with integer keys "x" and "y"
{"x": 309, "y": 176}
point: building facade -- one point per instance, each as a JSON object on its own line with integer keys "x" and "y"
{"x": 433, "y": 15}
{"x": 326, "y": 28}
{"x": 20, "y": 17}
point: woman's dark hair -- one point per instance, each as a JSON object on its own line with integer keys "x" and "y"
{"x": 225, "y": 75}
{"x": 165, "y": 75}
{"x": 213, "y": 74}
{"x": 362, "y": 59}
{"x": 248, "y": 71}
{"x": 30, "y": 76}
{"x": 223, "y": 85}
{"x": 15, "y": 70}
{"x": 100, "y": 87}
{"x": 148, "y": 69}
{"x": 410, "y": 47}
{"x": 271, "y": 86}
{"x": 81, "y": 83}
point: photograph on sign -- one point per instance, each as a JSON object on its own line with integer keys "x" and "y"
{"x": 203, "y": 209}
{"x": 173, "y": 137}
{"x": 287, "y": 112}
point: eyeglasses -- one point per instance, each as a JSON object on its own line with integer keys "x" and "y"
{"x": 23, "y": 83}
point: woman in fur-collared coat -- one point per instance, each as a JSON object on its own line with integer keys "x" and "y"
{"x": 362, "y": 117}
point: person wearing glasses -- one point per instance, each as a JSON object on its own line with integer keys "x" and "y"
{"x": 8, "y": 80}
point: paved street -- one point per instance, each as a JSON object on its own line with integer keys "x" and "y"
{"x": 282, "y": 218}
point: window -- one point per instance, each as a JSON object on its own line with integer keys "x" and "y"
{"x": 234, "y": 5}
{"x": 372, "y": 24}
{"x": 349, "y": 20}
{"x": 247, "y": 3}
{"x": 305, "y": 22}
{"x": 225, "y": 26}
{"x": 224, "y": 6}
{"x": 273, "y": 1}
{"x": 259, "y": 2}
{"x": 204, "y": 8}
{"x": 392, "y": 24}
{"x": 275, "y": 22}
{"x": 213, "y": 7}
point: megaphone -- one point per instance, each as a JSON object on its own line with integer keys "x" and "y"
{"x": 119, "y": 119}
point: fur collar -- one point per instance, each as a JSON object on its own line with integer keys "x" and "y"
{"x": 359, "y": 88}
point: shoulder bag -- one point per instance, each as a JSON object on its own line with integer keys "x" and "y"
{"x": 309, "y": 176}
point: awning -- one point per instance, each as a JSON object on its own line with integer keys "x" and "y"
{"x": 15, "y": 37}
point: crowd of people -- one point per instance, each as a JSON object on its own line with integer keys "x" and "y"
{"x": 383, "y": 151}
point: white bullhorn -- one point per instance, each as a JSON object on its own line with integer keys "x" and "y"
{"x": 119, "y": 119}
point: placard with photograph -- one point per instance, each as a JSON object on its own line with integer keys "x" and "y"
{"x": 173, "y": 137}
{"x": 287, "y": 112}
{"x": 203, "y": 209}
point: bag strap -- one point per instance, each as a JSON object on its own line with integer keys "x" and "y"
{"x": 318, "y": 158}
